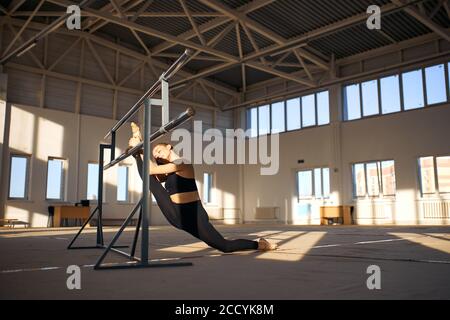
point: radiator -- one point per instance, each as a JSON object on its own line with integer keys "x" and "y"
{"x": 435, "y": 209}
{"x": 374, "y": 210}
{"x": 266, "y": 212}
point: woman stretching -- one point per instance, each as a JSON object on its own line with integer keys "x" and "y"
{"x": 179, "y": 201}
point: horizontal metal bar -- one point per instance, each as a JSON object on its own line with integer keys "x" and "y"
{"x": 142, "y": 265}
{"x": 177, "y": 65}
{"x": 183, "y": 117}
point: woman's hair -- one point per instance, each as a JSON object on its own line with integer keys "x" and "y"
{"x": 158, "y": 160}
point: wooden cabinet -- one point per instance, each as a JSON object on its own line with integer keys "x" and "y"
{"x": 70, "y": 212}
{"x": 343, "y": 214}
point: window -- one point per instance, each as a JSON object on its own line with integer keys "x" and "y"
{"x": 413, "y": 95}
{"x": 314, "y": 183}
{"x": 443, "y": 172}
{"x": 264, "y": 120}
{"x": 92, "y": 181}
{"x": 55, "y": 179}
{"x": 293, "y": 114}
{"x": 278, "y": 124}
{"x": 370, "y": 98}
{"x": 252, "y": 121}
{"x": 427, "y": 181}
{"x": 207, "y": 187}
{"x": 304, "y": 179}
{"x": 18, "y": 179}
{"x": 434, "y": 174}
{"x": 388, "y": 178}
{"x": 352, "y": 102}
{"x": 122, "y": 183}
{"x": 390, "y": 94}
{"x": 359, "y": 180}
{"x": 373, "y": 184}
{"x": 309, "y": 110}
{"x": 323, "y": 108}
{"x": 374, "y": 179}
{"x": 435, "y": 84}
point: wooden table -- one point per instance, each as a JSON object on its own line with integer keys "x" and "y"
{"x": 70, "y": 212}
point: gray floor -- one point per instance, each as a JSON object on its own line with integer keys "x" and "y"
{"x": 312, "y": 263}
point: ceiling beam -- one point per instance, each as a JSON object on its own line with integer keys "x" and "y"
{"x": 192, "y": 22}
{"x": 14, "y": 5}
{"x": 295, "y": 42}
{"x": 256, "y": 26}
{"x": 205, "y": 27}
{"x": 152, "y": 32}
{"x": 284, "y": 75}
{"x": 123, "y": 50}
{"x": 413, "y": 12}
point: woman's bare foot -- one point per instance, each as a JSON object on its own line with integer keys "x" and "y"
{"x": 265, "y": 245}
{"x": 136, "y": 138}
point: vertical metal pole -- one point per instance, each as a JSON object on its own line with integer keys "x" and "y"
{"x": 100, "y": 195}
{"x": 146, "y": 204}
{"x": 113, "y": 145}
{"x": 165, "y": 102}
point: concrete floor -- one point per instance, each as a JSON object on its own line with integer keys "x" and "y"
{"x": 312, "y": 263}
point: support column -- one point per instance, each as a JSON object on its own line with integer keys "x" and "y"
{"x": 336, "y": 168}
{"x": 5, "y": 118}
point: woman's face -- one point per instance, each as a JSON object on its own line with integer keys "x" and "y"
{"x": 162, "y": 152}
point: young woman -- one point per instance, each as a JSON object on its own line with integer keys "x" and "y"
{"x": 179, "y": 201}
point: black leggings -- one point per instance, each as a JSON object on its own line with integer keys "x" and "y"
{"x": 192, "y": 218}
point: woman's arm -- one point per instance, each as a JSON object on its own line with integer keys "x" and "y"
{"x": 156, "y": 169}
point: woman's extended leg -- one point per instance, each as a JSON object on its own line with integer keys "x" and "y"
{"x": 162, "y": 198}
{"x": 208, "y": 234}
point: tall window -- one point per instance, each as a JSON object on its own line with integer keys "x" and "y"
{"x": 413, "y": 95}
{"x": 323, "y": 108}
{"x": 407, "y": 91}
{"x": 264, "y": 120}
{"x": 92, "y": 181}
{"x": 207, "y": 187}
{"x": 370, "y": 98}
{"x": 278, "y": 124}
{"x": 293, "y": 114}
{"x": 122, "y": 184}
{"x": 390, "y": 94}
{"x": 313, "y": 183}
{"x": 352, "y": 102}
{"x": 309, "y": 111}
{"x": 434, "y": 174}
{"x": 55, "y": 179}
{"x": 19, "y": 176}
{"x": 252, "y": 121}
{"x": 435, "y": 84}
{"x": 374, "y": 179}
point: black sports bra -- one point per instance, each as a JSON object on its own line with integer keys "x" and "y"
{"x": 178, "y": 184}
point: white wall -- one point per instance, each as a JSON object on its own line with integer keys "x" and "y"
{"x": 403, "y": 137}
{"x": 43, "y": 133}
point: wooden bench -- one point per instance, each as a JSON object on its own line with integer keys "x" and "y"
{"x": 13, "y": 222}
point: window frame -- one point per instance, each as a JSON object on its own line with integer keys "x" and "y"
{"x": 399, "y": 73}
{"x": 379, "y": 165}
{"x": 26, "y": 196}
{"x": 436, "y": 192}
{"x": 63, "y": 180}
{"x": 257, "y": 128}
{"x": 313, "y": 183}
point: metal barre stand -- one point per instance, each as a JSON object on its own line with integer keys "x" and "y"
{"x": 144, "y": 205}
